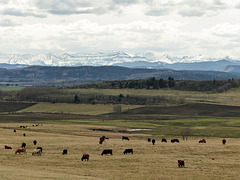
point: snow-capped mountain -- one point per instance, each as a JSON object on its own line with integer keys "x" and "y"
{"x": 140, "y": 60}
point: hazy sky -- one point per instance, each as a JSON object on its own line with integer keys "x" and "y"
{"x": 174, "y": 27}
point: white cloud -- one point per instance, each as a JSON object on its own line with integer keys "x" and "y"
{"x": 177, "y": 27}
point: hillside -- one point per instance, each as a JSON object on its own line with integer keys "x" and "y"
{"x": 67, "y": 76}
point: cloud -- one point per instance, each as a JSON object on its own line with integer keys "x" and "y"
{"x": 17, "y": 12}
{"x": 8, "y": 23}
{"x": 70, "y": 7}
{"x": 201, "y": 7}
{"x": 125, "y": 2}
{"x": 184, "y": 8}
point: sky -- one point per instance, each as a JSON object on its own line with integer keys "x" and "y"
{"x": 173, "y": 27}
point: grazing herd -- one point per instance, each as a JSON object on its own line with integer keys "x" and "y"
{"x": 38, "y": 150}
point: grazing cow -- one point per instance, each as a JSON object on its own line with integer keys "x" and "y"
{"x": 128, "y": 151}
{"x": 24, "y": 134}
{"x": 35, "y": 142}
{"x": 107, "y": 151}
{"x": 149, "y": 139}
{"x": 202, "y": 141}
{"x": 224, "y": 141}
{"x": 14, "y": 130}
{"x": 153, "y": 141}
{"x": 125, "y": 137}
{"x": 23, "y": 145}
{"x": 8, "y": 147}
{"x": 85, "y": 157}
{"x": 164, "y": 140}
{"x": 174, "y": 140}
{"x": 64, "y": 152}
{"x": 39, "y": 148}
{"x": 181, "y": 163}
{"x": 101, "y": 141}
{"x": 19, "y": 150}
{"x": 36, "y": 152}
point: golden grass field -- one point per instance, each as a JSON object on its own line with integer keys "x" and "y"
{"x": 147, "y": 162}
{"x": 86, "y": 109}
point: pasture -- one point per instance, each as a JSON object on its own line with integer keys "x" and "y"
{"x": 78, "y": 127}
{"x": 86, "y": 109}
{"x": 202, "y": 161}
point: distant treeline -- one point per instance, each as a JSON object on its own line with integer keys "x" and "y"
{"x": 153, "y": 83}
{"x": 58, "y": 95}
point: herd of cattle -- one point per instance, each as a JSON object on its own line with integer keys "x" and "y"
{"x": 38, "y": 150}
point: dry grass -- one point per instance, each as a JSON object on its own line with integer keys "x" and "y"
{"x": 147, "y": 162}
{"x": 87, "y": 109}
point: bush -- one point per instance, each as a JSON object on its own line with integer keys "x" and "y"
{"x": 117, "y": 108}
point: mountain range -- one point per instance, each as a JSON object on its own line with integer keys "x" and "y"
{"x": 145, "y": 60}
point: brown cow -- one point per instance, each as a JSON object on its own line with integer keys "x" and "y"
{"x": 36, "y": 152}
{"x": 202, "y": 141}
{"x": 85, "y": 157}
{"x": 224, "y": 141}
{"x": 8, "y": 147}
{"x": 19, "y": 150}
{"x": 181, "y": 163}
{"x": 101, "y": 140}
{"x": 125, "y": 137}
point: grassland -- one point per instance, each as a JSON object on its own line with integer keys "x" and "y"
{"x": 77, "y": 127}
{"x": 231, "y": 97}
{"x": 202, "y": 161}
{"x": 87, "y": 109}
{"x": 11, "y": 88}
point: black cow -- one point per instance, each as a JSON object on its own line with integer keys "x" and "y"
{"x": 125, "y": 137}
{"x": 181, "y": 163}
{"x": 64, "y": 152}
{"x": 39, "y": 148}
{"x": 107, "y": 151}
{"x": 224, "y": 141}
{"x": 35, "y": 142}
{"x": 149, "y": 139}
{"x": 164, "y": 140}
{"x": 14, "y": 130}
{"x": 23, "y": 145}
{"x": 24, "y": 134}
{"x": 174, "y": 140}
{"x": 153, "y": 141}
{"x": 128, "y": 151}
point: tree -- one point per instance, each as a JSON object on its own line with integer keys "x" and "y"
{"x": 117, "y": 108}
{"x": 171, "y": 82}
{"x": 185, "y": 132}
{"x": 161, "y": 83}
{"x": 76, "y": 99}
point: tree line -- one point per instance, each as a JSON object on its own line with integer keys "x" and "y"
{"x": 59, "y": 95}
{"x": 153, "y": 83}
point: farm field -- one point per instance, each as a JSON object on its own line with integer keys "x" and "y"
{"x": 78, "y": 127}
{"x": 202, "y": 161}
{"x": 230, "y": 97}
{"x": 87, "y": 109}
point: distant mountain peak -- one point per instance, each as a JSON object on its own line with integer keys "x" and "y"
{"x": 120, "y": 58}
